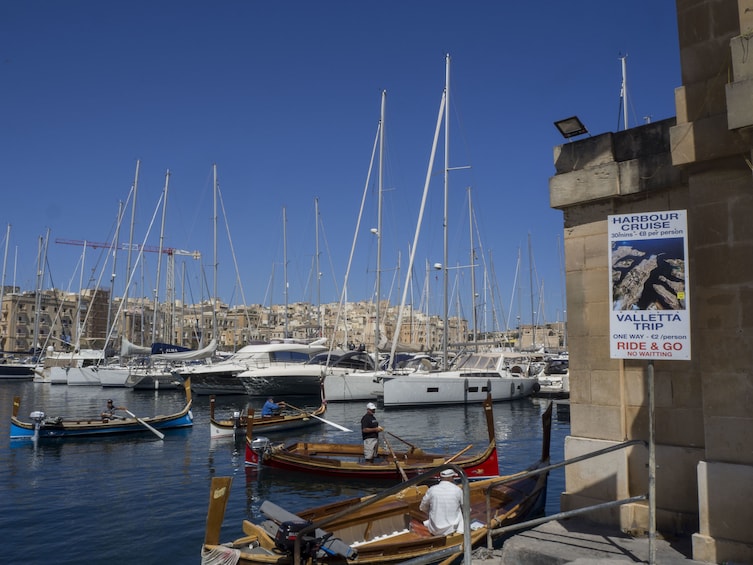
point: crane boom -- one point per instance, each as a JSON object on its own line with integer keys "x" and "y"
{"x": 132, "y": 247}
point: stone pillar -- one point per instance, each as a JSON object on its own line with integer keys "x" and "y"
{"x": 700, "y": 162}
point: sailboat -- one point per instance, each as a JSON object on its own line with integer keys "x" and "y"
{"x": 9, "y": 368}
{"x": 349, "y": 375}
{"x": 475, "y": 374}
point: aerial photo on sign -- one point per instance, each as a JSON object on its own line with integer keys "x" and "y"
{"x": 648, "y": 274}
{"x": 649, "y": 285}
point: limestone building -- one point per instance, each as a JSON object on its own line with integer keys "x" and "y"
{"x": 701, "y": 162}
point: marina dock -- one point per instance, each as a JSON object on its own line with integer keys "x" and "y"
{"x": 579, "y": 542}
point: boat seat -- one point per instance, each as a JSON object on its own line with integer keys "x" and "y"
{"x": 418, "y": 527}
{"x": 327, "y": 460}
{"x": 375, "y": 528}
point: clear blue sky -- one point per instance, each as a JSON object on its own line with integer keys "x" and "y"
{"x": 284, "y": 97}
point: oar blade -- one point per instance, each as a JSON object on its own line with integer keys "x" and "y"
{"x": 333, "y": 424}
{"x": 152, "y": 429}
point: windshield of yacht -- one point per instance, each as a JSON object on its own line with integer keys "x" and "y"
{"x": 478, "y": 361}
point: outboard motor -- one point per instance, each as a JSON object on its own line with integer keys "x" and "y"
{"x": 284, "y": 526}
{"x": 38, "y": 418}
{"x": 260, "y": 445}
{"x": 287, "y": 533}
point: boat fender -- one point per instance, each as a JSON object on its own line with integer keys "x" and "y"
{"x": 536, "y": 387}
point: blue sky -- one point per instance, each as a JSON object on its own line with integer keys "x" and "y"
{"x": 284, "y": 97}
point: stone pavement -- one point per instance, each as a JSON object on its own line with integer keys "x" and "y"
{"x": 578, "y": 542}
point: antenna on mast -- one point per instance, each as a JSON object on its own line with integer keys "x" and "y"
{"x": 623, "y": 94}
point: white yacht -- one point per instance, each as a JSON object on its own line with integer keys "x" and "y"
{"x": 222, "y": 377}
{"x": 474, "y": 374}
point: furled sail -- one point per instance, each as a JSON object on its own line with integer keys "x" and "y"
{"x": 190, "y": 355}
{"x": 128, "y": 349}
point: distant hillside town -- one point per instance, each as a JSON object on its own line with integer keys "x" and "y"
{"x": 65, "y": 320}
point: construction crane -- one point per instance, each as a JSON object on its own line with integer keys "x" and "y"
{"x": 171, "y": 252}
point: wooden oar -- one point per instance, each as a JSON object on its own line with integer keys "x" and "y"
{"x": 458, "y": 454}
{"x": 338, "y": 426}
{"x": 394, "y": 458}
{"x": 155, "y": 431}
{"x": 409, "y": 444}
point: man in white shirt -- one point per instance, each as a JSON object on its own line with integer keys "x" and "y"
{"x": 444, "y": 504}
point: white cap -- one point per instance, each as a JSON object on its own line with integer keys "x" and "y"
{"x": 448, "y": 474}
{"x": 371, "y": 406}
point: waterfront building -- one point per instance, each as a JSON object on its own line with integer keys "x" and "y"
{"x": 64, "y": 320}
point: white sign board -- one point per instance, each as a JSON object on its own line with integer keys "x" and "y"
{"x": 648, "y": 290}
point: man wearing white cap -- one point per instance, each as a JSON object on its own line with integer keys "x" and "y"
{"x": 444, "y": 504}
{"x": 370, "y": 429}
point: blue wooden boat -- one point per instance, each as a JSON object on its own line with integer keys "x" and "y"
{"x": 43, "y": 426}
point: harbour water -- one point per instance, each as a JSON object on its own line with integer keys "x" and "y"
{"x": 141, "y": 500}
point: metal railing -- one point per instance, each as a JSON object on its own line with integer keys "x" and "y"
{"x": 560, "y": 515}
{"x": 434, "y": 556}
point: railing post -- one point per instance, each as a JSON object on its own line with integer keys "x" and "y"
{"x": 651, "y": 467}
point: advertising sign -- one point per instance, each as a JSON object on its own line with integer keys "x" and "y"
{"x": 649, "y": 288}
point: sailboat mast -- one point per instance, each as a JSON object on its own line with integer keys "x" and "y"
{"x": 5, "y": 259}
{"x": 319, "y": 320}
{"x": 411, "y": 261}
{"x": 285, "y": 264}
{"x": 377, "y": 335}
{"x": 214, "y": 227}
{"x": 533, "y": 309}
{"x": 124, "y": 319}
{"x": 473, "y": 270}
{"x": 428, "y": 341}
{"x": 159, "y": 258}
{"x": 214, "y": 222}
{"x": 446, "y": 210}
{"x": 115, "y": 244}
{"x": 80, "y": 297}
{"x": 41, "y": 262}
{"x": 623, "y": 92}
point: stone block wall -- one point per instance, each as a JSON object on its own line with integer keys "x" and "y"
{"x": 700, "y": 162}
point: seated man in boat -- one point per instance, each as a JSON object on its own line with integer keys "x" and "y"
{"x": 370, "y": 429}
{"x": 109, "y": 413}
{"x": 272, "y": 408}
{"x": 444, "y": 504}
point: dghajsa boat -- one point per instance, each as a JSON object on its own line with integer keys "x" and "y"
{"x": 343, "y": 460}
{"x": 227, "y": 427}
{"x": 383, "y": 528}
{"x": 43, "y": 426}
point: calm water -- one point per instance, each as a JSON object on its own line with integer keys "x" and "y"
{"x": 141, "y": 500}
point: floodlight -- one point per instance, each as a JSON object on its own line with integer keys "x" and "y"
{"x": 570, "y": 127}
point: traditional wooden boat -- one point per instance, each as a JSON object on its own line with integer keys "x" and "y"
{"x": 46, "y": 427}
{"x": 383, "y": 528}
{"x": 346, "y": 460}
{"x": 277, "y": 423}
